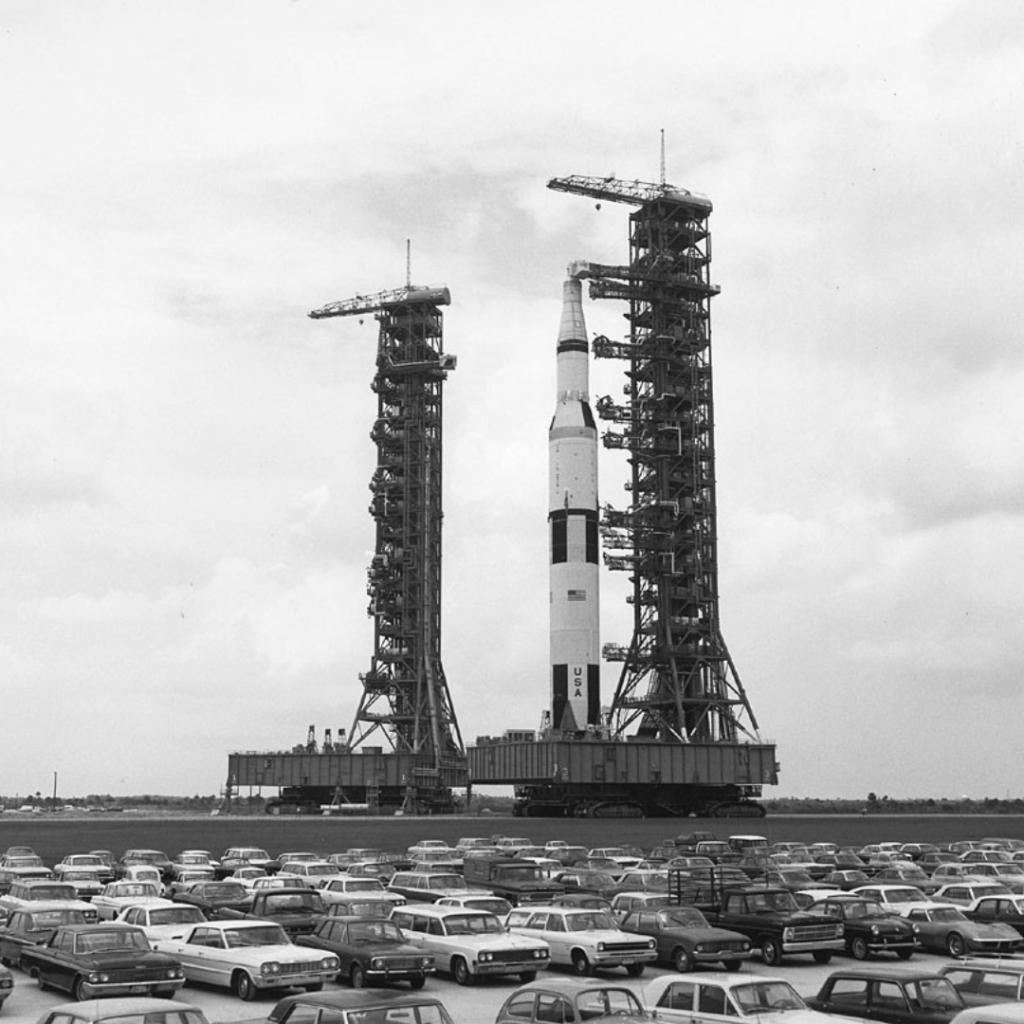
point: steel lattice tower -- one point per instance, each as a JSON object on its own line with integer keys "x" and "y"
{"x": 678, "y": 681}
{"x": 405, "y": 697}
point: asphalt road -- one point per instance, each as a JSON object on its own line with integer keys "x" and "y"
{"x": 478, "y": 1004}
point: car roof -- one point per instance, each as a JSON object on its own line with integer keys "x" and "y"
{"x": 573, "y": 986}
{"x": 997, "y": 1013}
{"x": 726, "y": 979}
{"x": 887, "y": 973}
{"x": 100, "y": 1009}
{"x": 350, "y": 999}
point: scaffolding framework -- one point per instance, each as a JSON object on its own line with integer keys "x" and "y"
{"x": 678, "y": 681}
{"x": 405, "y": 699}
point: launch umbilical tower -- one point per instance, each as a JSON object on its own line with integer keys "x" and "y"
{"x": 678, "y": 680}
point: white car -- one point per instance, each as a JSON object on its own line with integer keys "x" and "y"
{"x": 470, "y": 942}
{"x": 965, "y": 891}
{"x": 584, "y": 939}
{"x": 730, "y": 998}
{"x": 340, "y": 887}
{"x": 247, "y": 956}
{"x": 310, "y": 873}
{"x": 163, "y": 920}
{"x": 118, "y": 895}
{"x": 896, "y": 898}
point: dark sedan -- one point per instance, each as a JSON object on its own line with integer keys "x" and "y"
{"x": 371, "y": 952}
{"x": 686, "y": 940}
{"x": 213, "y": 897}
{"x": 91, "y": 960}
{"x": 868, "y": 928}
{"x": 913, "y": 997}
{"x": 345, "y": 1007}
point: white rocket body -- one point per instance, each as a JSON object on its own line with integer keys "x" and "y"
{"x": 572, "y": 523}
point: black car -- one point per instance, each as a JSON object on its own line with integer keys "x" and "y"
{"x": 572, "y": 999}
{"x": 213, "y": 897}
{"x": 92, "y": 960}
{"x": 911, "y": 997}
{"x": 370, "y": 951}
{"x": 867, "y": 928}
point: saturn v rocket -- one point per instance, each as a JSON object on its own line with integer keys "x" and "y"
{"x": 572, "y": 522}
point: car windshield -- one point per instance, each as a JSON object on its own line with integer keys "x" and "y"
{"x": 767, "y": 995}
{"x": 264, "y": 935}
{"x": 176, "y": 915}
{"x": 935, "y": 994}
{"x": 53, "y": 892}
{"x": 445, "y": 882}
{"x": 492, "y": 904}
{"x": 683, "y": 918}
{"x": 132, "y": 889}
{"x": 603, "y": 1002}
{"x": 867, "y": 909}
{"x": 523, "y": 873}
{"x": 363, "y": 885}
{"x": 374, "y": 931}
{"x": 226, "y": 891}
{"x": 472, "y": 924}
{"x": 97, "y": 941}
{"x": 908, "y": 895}
{"x": 181, "y": 1016}
{"x": 947, "y": 914}
{"x": 427, "y": 1012}
{"x": 53, "y": 918}
{"x": 587, "y": 920}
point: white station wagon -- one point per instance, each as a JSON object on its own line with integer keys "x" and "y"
{"x": 584, "y": 939}
{"x": 470, "y": 942}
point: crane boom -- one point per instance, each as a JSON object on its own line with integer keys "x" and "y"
{"x": 411, "y": 294}
{"x": 617, "y": 191}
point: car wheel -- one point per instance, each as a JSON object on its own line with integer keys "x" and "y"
{"x": 527, "y": 976}
{"x": 955, "y": 944}
{"x": 635, "y": 970}
{"x": 858, "y": 948}
{"x": 461, "y": 971}
{"x": 822, "y": 956}
{"x": 245, "y": 987}
{"x": 771, "y": 952}
{"x": 682, "y": 961}
{"x": 356, "y": 978}
{"x": 78, "y": 990}
{"x": 581, "y": 965}
{"x": 417, "y": 982}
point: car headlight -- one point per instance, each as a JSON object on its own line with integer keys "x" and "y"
{"x": 330, "y": 963}
{"x": 874, "y": 929}
{"x": 377, "y": 964}
{"x": 176, "y": 972}
{"x": 699, "y": 948}
{"x": 486, "y": 956}
{"x": 427, "y": 961}
{"x": 916, "y": 929}
{"x": 271, "y": 967}
{"x": 787, "y": 934}
{"x": 840, "y": 930}
{"x": 600, "y": 947}
{"x": 95, "y": 978}
{"x": 651, "y": 943}
{"x": 540, "y": 954}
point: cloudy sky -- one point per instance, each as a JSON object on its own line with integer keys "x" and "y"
{"x": 184, "y": 455}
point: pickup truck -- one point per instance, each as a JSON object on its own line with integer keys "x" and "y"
{"x": 296, "y": 909}
{"x": 767, "y": 915}
{"x": 518, "y": 881}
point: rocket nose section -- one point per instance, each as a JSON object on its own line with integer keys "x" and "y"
{"x": 573, "y": 328}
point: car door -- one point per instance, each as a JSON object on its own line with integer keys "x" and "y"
{"x": 678, "y": 1002}
{"x": 888, "y": 1002}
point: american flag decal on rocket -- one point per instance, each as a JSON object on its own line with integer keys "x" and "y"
{"x": 572, "y": 522}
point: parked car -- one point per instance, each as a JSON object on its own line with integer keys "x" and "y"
{"x": 896, "y": 897}
{"x": 370, "y": 951}
{"x": 584, "y": 939}
{"x": 124, "y": 1009}
{"x": 497, "y": 905}
{"x": 92, "y": 960}
{"x": 868, "y": 928}
{"x": 85, "y": 862}
{"x": 244, "y": 856}
{"x": 685, "y": 939}
{"x": 981, "y": 982}
{"x": 910, "y": 997}
{"x": 428, "y": 886}
{"x": 999, "y": 909}
{"x": 213, "y": 897}
{"x": 359, "y": 1007}
{"x": 560, "y": 1000}
{"x": 946, "y": 929}
{"x": 6, "y": 985}
{"x": 33, "y": 925}
{"x": 359, "y": 905}
{"x": 165, "y": 920}
{"x": 966, "y": 890}
{"x": 247, "y": 956}
{"x": 727, "y": 998}
{"x": 846, "y": 879}
{"x": 993, "y": 1013}
{"x": 86, "y": 882}
{"x": 470, "y": 943}
{"x": 118, "y": 895}
{"x": 337, "y": 887}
